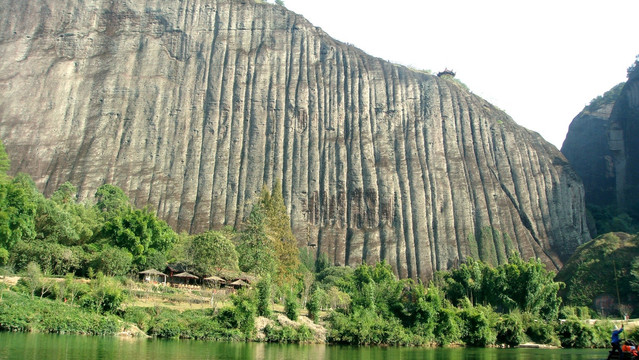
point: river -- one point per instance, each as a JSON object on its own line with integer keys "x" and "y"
{"x": 70, "y": 347}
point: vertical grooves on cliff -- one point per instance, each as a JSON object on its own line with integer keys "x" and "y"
{"x": 377, "y": 162}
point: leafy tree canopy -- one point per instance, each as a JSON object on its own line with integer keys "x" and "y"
{"x": 211, "y": 252}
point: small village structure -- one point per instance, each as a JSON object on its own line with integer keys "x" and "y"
{"x": 153, "y": 276}
{"x": 214, "y": 281}
{"x": 185, "y": 279}
{"x": 238, "y": 284}
{"x": 176, "y": 277}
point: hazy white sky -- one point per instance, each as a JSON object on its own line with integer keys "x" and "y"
{"x": 541, "y": 61}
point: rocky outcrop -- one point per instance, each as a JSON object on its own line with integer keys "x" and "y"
{"x": 623, "y": 141}
{"x": 192, "y": 106}
{"x": 586, "y": 147}
{"x": 602, "y": 145}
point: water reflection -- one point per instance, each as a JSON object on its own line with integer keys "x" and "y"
{"x": 43, "y": 346}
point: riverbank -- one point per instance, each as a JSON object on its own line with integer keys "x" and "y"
{"x": 185, "y": 319}
{"x": 110, "y": 306}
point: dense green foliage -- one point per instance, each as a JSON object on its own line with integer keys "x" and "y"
{"x": 600, "y": 268}
{"x": 476, "y": 305}
{"x": 18, "y": 313}
{"x": 63, "y": 235}
{"x": 610, "y": 219}
{"x": 267, "y": 245}
{"x": 517, "y": 285}
{"x": 210, "y": 252}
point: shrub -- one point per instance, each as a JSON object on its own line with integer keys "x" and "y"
{"x": 477, "y": 330}
{"x": 542, "y": 332}
{"x": 575, "y": 334}
{"x": 365, "y": 327}
{"x": 244, "y": 312}
{"x": 288, "y": 334}
{"x": 314, "y": 303}
{"x": 20, "y": 313}
{"x": 138, "y": 316}
{"x": 264, "y": 297}
{"x": 510, "y": 330}
{"x": 292, "y": 307}
{"x": 447, "y": 330}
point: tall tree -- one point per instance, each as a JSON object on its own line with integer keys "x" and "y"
{"x": 210, "y": 252}
{"x": 256, "y": 253}
{"x": 140, "y": 232}
{"x": 110, "y": 200}
{"x": 5, "y": 163}
{"x": 17, "y": 210}
{"x": 280, "y": 234}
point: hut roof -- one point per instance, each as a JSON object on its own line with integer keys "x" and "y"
{"x": 186, "y": 275}
{"x": 152, "y": 272}
{"x": 215, "y": 278}
{"x": 239, "y": 283}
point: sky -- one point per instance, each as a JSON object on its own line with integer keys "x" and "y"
{"x": 540, "y": 61}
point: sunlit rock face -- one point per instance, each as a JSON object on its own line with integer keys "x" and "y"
{"x": 192, "y": 106}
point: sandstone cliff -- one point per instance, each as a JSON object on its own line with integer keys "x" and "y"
{"x": 191, "y": 106}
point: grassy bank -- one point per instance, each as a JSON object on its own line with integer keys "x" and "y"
{"x": 20, "y": 312}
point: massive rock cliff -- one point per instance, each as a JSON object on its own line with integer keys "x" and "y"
{"x": 602, "y": 144}
{"x": 191, "y": 106}
{"x": 586, "y": 147}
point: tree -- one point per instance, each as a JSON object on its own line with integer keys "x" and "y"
{"x": 314, "y": 304}
{"x": 291, "y": 306}
{"x": 112, "y": 261}
{"x": 17, "y": 211}
{"x": 264, "y": 296}
{"x": 110, "y": 200}
{"x": 527, "y": 286}
{"x": 211, "y": 252}
{"x": 280, "y": 234}
{"x": 65, "y": 194}
{"x": 140, "y": 232}
{"x": 33, "y": 278}
{"x": 5, "y": 163}
{"x": 55, "y": 224}
{"x": 4, "y": 256}
{"x": 256, "y": 253}
{"x": 634, "y": 276}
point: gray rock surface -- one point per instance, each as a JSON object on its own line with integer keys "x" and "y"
{"x": 586, "y": 148}
{"x": 191, "y": 106}
{"x": 623, "y": 141}
{"x": 602, "y": 146}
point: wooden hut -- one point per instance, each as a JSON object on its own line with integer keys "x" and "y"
{"x": 184, "y": 279}
{"x": 238, "y": 284}
{"x": 153, "y": 276}
{"x": 214, "y": 281}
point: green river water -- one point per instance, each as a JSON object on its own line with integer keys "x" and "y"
{"x": 69, "y": 347}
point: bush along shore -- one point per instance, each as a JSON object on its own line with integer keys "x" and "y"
{"x": 366, "y": 305}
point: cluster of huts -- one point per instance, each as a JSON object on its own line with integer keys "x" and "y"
{"x": 182, "y": 279}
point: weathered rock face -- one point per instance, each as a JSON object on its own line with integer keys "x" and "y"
{"x": 586, "y": 147}
{"x": 602, "y": 145}
{"x": 623, "y": 140}
{"x": 192, "y": 106}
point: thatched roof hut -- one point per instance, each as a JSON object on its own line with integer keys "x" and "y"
{"x": 238, "y": 284}
{"x": 184, "y": 278}
{"x": 153, "y": 275}
{"x": 215, "y": 279}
